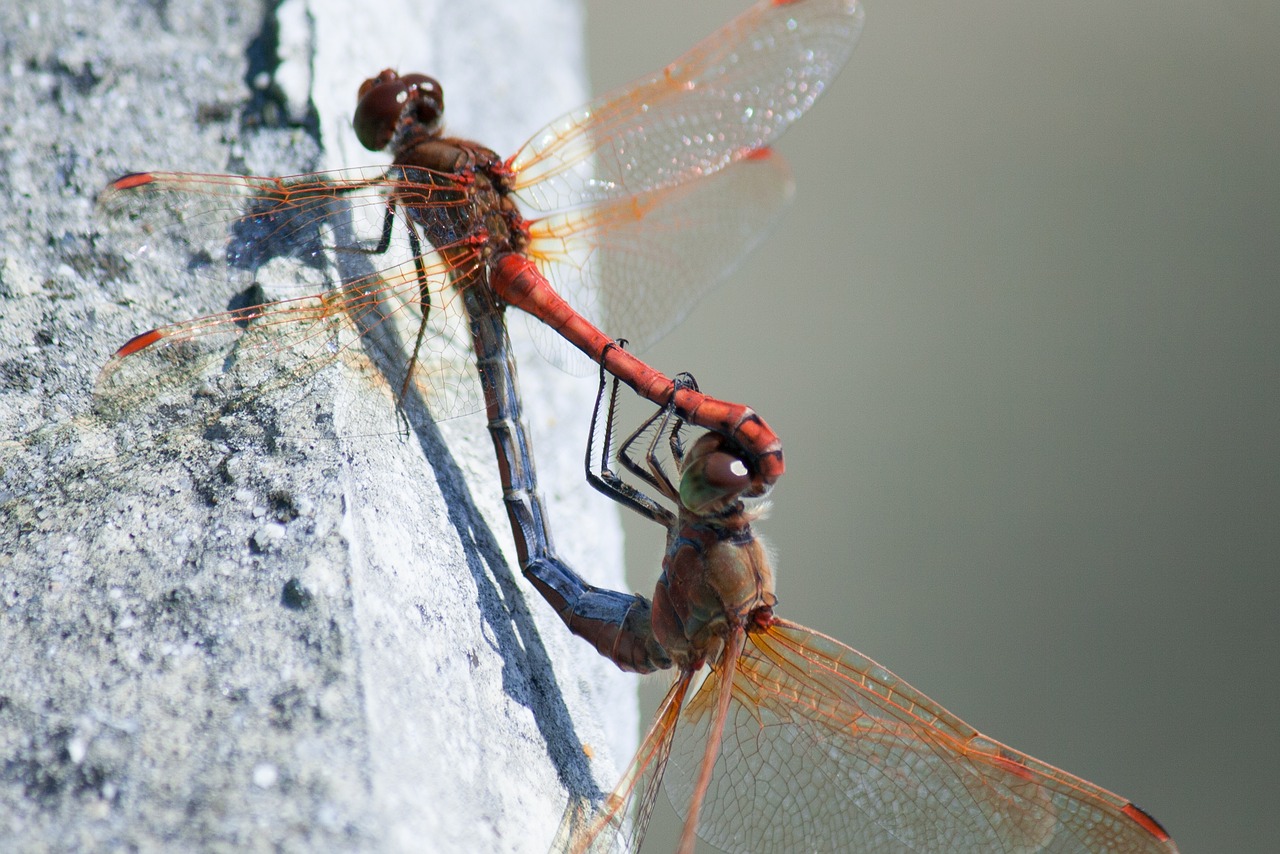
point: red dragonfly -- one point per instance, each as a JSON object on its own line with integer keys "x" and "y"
{"x": 613, "y": 219}
{"x": 793, "y": 741}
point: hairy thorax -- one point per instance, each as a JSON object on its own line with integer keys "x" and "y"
{"x": 716, "y": 577}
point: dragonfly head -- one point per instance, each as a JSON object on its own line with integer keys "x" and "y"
{"x": 712, "y": 477}
{"x": 389, "y": 101}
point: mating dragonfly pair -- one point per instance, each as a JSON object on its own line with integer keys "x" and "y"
{"x": 612, "y": 221}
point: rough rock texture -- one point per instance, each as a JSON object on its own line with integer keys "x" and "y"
{"x": 270, "y": 621}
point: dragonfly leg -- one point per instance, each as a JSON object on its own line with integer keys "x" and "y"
{"x": 652, "y": 429}
{"x": 420, "y": 273}
{"x": 668, "y": 423}
{"x": 388, "y": 225}
{"x": 684, "y": 379}
{"x": 424, "y": 291}
{"x": 607, "y": 481}
{"x": 419, "y": 266}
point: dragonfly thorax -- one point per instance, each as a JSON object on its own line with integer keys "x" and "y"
{"x": 716, "y": 577}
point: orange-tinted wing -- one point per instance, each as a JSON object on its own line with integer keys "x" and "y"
{"x": 635, "y": 266}
{"x": 649, "y": 251}
{"x": 612, "y": 827}
{"x": 734, "y": 92}
{"x": 825, "y": 750}
{"x": 292, "y": 249}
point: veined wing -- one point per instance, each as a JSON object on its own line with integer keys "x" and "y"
{"x": 734, "y": 92}
{"x": 825, "y": 750}
{"x": 612, "y": 827}
{"x": 635, "y": 266}
{"x": 660, "y": 187}
{"x": 298, "y": 252}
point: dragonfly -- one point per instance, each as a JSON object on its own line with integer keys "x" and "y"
{"x": 616, "y": 216}
{"x": 777, "y": 738}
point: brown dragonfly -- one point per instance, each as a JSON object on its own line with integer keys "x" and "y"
{"x": 792, "y": 741}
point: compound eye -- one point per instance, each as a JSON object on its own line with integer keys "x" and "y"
{"x": 713, "y": 478}
{"x": 386, "y": 75}
{"x": 386, "y": 99}
{"x": 382, "y": 98}
{"x": 725, "y": 472}
{"x": 427, "y": 97}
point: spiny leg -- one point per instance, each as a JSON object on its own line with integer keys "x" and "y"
{"x": 607, "y": 481}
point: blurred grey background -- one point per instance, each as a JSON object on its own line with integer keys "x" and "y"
{"x": 1019, "y": 336}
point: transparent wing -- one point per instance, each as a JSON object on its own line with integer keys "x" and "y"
{"x": 731, "y": 94}
{"x": 825, "y": 750}
{"x": 637, "y": 183}
{"x": 295, "y": 257}
{"x": 612, "y": 826}
{"x": 635, "y": 266}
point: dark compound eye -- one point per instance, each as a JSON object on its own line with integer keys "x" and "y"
{"x": 386, "y": 99}
{"x": 381, "y": 100}
{"x": 386, "y": 75}
{"x": 713, "y": 478}
{"x": 726, "y": 472}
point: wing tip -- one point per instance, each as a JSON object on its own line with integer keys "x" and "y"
{"x": 137, "y": 343}
{"x": 1148, "y": 822}
{"x": 132, "y": 181}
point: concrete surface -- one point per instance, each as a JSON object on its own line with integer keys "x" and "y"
{"x": 268, "y": 621}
